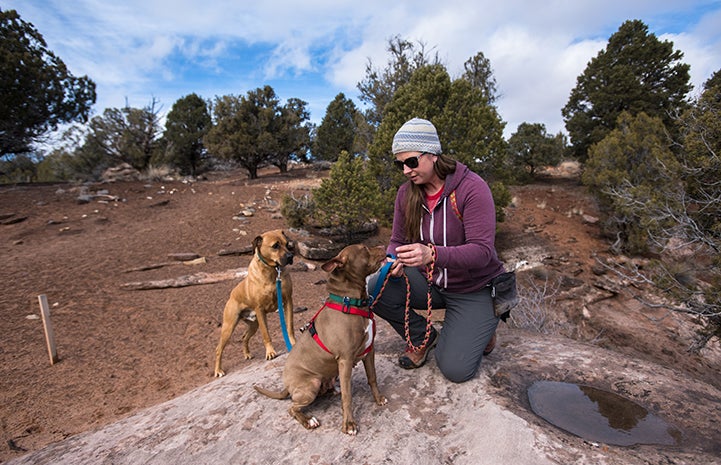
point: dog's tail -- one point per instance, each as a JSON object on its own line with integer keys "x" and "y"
{"x": 280, "y": 395}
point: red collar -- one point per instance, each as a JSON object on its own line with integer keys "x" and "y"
{"x": 365, "y": 312}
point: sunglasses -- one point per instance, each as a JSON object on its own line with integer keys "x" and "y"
{"x": 410, "y": 162}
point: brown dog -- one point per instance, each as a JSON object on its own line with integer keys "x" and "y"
{"x": 340, "y": 335}
{"x": 255, "y": 296}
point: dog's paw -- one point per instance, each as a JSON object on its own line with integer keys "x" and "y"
{"x": 219, "y": 374}
{"x": 270, "y": 355}
{"x": 382, "y": 400}
{"x": 312, "y": 423}
{"x": 350, "y": 428}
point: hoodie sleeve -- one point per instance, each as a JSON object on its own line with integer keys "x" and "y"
{"x": 478, "y": 252}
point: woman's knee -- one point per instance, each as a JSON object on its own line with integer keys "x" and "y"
{"x": 457, "y": 371}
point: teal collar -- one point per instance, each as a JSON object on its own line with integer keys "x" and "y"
{"x": 349, "y": 301}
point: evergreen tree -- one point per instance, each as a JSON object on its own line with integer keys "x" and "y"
{"x": 337, "y": 130}
{"x": 38, "y": 92}
{"x": 119, "y": 135}
{"x": 185, "y": 126}
{"x": 635, "y": 73}
{"x": 634, "y": 174}
{"x": 531, "y": 147}
{"x": 257, "y": 131}
{"x": 293, "y": 134}
{"x": 478, "y": 71}
{"x": 349, "y": 197}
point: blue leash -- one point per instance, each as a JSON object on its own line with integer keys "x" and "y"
{"x": 379, "y": 285}
{"x": 381, "y": 278}
{"x": 278, "y": 291}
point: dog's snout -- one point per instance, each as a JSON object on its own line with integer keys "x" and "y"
{"x": 289, "y": 258}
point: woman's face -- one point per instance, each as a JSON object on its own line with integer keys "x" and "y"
{"x": 417, "y": 166}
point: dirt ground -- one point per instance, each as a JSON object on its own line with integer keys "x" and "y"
{"x": 124, "y": 350}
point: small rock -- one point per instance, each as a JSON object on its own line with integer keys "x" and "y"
{"x": 588, "y": 219}
{"x": 598, "y": 270}
{"x": 586, "y": 314}
{"x": 319, "y": 249}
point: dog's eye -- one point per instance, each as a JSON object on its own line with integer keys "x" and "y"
{"x": 276, "y": 246}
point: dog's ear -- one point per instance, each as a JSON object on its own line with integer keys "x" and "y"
{"x": 336, "y": 262}
{"x": 289, "y": 243}
{"x": 257, "y": 242}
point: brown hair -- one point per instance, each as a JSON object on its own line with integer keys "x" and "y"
{"x": 414, "y": 198}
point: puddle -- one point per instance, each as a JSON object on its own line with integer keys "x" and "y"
{"x": 599, "y": 416}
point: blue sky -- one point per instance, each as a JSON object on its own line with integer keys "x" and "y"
{"x": 137, "y": 50}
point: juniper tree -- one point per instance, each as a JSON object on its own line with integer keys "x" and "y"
{"x": 38, "y": 91}
{"x": 349, "y": 197}
{"x": 635, "y": 73}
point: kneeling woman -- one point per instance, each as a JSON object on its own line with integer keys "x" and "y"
{"x": 444, "y": 222}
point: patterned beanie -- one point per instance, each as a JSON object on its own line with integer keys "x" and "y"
{"x": 417, "y": 135}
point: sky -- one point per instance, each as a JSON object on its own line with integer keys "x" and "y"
{"x": 139, "y": 50}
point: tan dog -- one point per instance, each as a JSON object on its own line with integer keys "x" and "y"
{"x": 340, "y": 335}
{"x": 255, "y": 296}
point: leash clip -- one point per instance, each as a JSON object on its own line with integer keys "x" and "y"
{"x": 346, "y": 304}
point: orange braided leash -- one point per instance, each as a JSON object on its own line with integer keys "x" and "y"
{"x": 429, "y": 323}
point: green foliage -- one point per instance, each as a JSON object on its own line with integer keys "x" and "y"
{"x": 471, "y": 131}
{"x": 701, "y": 156}
{"x": 349, "y": 197}
{"x": 501, "y": 199}
{"x": 478, "y": 71}
{"x": 337, "y": 131}
{"x": 297, "y": 211}
{"x": 293, "y": 134}
{"x": 38, "y": 92}
{"x": 701, "y": 220}
{"x": 257, "y": 131}
{"x": 20, "y": 168}
{"x": 57, "y": 166}
{"x": 635, "y": 73}
{"x": 185, "y": 126}
{"x": 531, "y": 148}
{"x": 122, "y": 135}
{"x": 633, "y": 173}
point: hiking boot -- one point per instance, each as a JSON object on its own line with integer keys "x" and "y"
{"x": 490, "y": 346}
{"x": 415, "y": 359}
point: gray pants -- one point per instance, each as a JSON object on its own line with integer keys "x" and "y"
{"x": 468, "y": 326}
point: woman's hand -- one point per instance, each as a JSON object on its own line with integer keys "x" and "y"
{"x": 396, "y": 269}
{"x": 413, "y": 255}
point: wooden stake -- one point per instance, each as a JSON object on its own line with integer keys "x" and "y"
{"x": 48, "y": 326}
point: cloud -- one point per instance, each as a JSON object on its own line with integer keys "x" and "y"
{"x": 136, "y": 50}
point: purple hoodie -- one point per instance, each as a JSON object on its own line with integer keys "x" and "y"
{"x": 466, "y": 258}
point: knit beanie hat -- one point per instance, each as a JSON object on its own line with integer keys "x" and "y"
{"x": 417, "y": 135}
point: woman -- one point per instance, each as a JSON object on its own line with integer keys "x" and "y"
{"x": 444, "y": 220}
